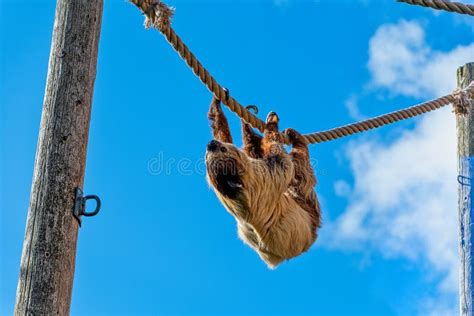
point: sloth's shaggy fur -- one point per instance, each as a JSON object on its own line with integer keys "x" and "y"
{"x": 268, "y": 191}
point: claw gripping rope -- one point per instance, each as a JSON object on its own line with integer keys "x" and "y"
{"x": 158, "y": 15}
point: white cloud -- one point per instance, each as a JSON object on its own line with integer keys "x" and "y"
{"x": 403, "y": 199}
{"x": 402, "y": 62}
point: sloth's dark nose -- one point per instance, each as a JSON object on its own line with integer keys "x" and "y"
{"x": 213, "y": 145}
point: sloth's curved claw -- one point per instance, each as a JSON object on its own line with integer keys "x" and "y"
{"x": 252, "y": 107}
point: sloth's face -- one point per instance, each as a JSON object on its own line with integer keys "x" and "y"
{"x": 225, "y": 168}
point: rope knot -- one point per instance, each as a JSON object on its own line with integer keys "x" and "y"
{"x": 157, "y": 13}
{"x": 461, "y": 103}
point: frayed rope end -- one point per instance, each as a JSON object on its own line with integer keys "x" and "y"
{"x": 157, "y": 13}
{"x": 462, "y": 97}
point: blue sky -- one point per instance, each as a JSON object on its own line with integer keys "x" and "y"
{"x": 162, "y": 244}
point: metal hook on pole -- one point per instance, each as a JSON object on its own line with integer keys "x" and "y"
{"x": 80, "y": 205}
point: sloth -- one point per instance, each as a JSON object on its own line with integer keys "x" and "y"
{"x": 268, "y": 191}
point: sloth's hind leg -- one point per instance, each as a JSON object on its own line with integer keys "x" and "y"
{"x": 304, "y": 180}
{"x": 272, "y": 143}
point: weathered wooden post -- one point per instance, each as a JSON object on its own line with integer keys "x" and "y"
{"x": 465, "y": 131}
{"x": 49, "y": 249}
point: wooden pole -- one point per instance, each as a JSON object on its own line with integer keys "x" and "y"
{"x": 49, "y": 249}
{"x": 465, "y": 131}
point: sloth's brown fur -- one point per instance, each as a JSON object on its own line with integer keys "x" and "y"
{"x": 268, "y": 191}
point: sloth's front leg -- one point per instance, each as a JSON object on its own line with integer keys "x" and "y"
{"x": 252, "y": 141}
{"x": 219, "y": 124}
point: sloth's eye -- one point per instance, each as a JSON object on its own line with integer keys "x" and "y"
{"x": 223, "y": 149}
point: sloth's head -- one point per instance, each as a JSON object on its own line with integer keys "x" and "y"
{"x": 226, "y": 166}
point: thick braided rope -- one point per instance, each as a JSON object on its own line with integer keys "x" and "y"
{"x": 459, "y": 99}
{"x": 153, "y": 9}
{"x": 379, "y": 121}
{"x": 208, "y": 80}
{"x": 158, "y": 15}
{"x": 449, "y": 6}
